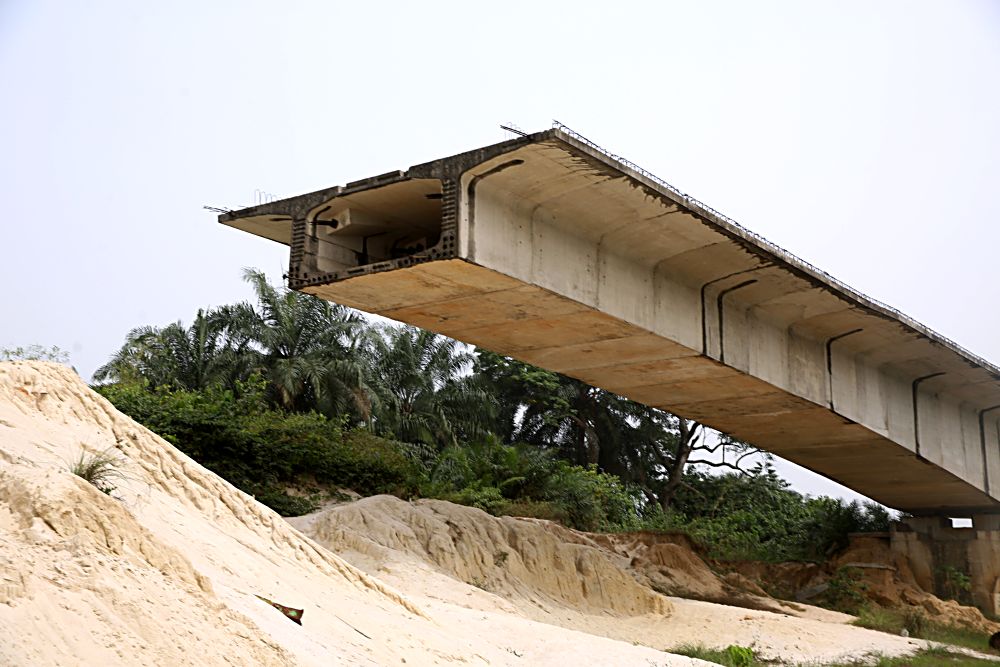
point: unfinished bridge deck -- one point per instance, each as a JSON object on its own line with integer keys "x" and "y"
{"x": 549, "y": 250}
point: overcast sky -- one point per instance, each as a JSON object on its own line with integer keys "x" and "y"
{"x": 863, "y": 137}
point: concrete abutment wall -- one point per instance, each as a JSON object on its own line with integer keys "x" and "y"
{"x": 959, "y": 563}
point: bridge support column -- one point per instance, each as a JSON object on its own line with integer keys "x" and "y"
{"x": 957, "y": 563}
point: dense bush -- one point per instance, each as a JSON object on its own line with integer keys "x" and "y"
{"x": 528, "y": 481}
{"x": 261, "y": 449}
{"x": 757, "y": 517}
{"x": 592, "y": 500}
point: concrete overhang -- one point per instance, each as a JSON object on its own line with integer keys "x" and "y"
{"x": 548, "y": 249}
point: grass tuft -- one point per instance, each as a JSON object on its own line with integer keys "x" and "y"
{"x": 930, "y": 657}
{"x": 731, "y": 656}
{"x": 100, "y": 469}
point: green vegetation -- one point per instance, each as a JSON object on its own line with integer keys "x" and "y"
{"x": 845, "y": 591}
{"x": 292, "y": 397}
{"x": 918, "y": 625}
{"x": 262, "y": 449}
{"x": 100, "y": 470}
{"x": 731, "y": 656}
{"x": 34, "y": 353}
{"x": 755, "y": 516}
{"x": 930, "y": 657}
{"x": 956, "y": 584}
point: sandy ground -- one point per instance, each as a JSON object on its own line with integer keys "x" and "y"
{"x": 165, "y": 570}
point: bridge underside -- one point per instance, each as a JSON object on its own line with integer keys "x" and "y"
{"x": 551, "y": 252}
{"x": 488, "y": 309}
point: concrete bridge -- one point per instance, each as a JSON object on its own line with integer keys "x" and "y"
{"x": 548, "y": 249}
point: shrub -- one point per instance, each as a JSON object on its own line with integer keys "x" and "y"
{"x": 918, "y": 625}
{"x": 878, "y": 618}
{"x": 592, "y": 500}
{"x": 893, "y": 621}
{"x": 489, "y": 499}
{"x": 831, "y": 520}
{"x": 731, "y": 656}
{"x": 956, "y": 584}
{"x": 369, "y": 464}
{"x": 527, "y": 481}
{"x": 285, "y": 504}
{"x": 257, "y": 448}
{"x": 845, "y": 591}
{"x": 535, "y": 509}
{"x": 740, "y": 656}
{"x": 757, "y": 517}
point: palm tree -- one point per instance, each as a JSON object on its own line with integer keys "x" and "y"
{"x": 309, "y": 350}
{"x": 423, "y": 389}
{"x": 584, "y": 423}
{"x": 174, "y": 356}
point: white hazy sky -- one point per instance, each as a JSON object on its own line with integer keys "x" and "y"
{"x": 863, "y": 137}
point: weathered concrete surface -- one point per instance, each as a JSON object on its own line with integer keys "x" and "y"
{"x": 548, "y": 250}
{"x": 938, "y": 553}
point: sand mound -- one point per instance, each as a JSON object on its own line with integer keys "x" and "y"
{"x": 523, "y": 559}
{"x": 69, "y": 552}
{"x": 165, "y": 571}
{"x": 519, "y": 559}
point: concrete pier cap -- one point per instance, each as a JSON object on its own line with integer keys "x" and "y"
{"x": 553, "y": 251}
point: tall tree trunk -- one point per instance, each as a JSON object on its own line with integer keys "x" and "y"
{"x": 675, "y": 468}
{"x": 588, "y": 447}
